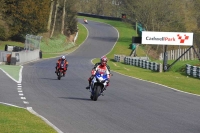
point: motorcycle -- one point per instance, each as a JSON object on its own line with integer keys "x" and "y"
{"x": 85, "y": 21}
{"x": 98, "y": 85}
{"x": 60, "y": 72}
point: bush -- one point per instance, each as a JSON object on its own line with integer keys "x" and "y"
{"x": 2, "y": 33}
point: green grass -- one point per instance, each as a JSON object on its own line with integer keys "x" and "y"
{"x": 126, "y": 32}
{"x": 175, "y": 78}
{"x": 19, "y": 120}
{"x": 13, "y": 71}
{"x": 56, "y": 46}
{"x": 3, "y": 43}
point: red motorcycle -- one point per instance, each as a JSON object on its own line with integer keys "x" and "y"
{"x": 61, "y": 69}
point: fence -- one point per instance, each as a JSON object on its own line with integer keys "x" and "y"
{"x": 193, "y": 71}
{"x": 175, "y": 54}
{"x": 3, "y": 56}
{"x": 143, "y": 63}
{"x": 32, "y": 42}
{"x": 139, "y": 62}
{"x": 119, "y": 58}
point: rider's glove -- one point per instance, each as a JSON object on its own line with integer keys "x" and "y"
{"x": 93, "y": 72}
{"x": 108, "y": 76}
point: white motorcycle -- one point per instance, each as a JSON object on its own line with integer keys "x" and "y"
{"x": 98, "y": 85}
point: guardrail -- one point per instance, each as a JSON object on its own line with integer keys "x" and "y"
{"x": 193, "y": 71}
{"x": 4, "y": 56}
{"x": 139, "y": 62}
{"x": 99, "y": 16}
{"x": 119, "y": 58}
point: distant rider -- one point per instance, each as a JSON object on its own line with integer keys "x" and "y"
{"x": 59, "y": 62}
{"x": 102, "y": 67}
{"x": 85, "y": 20}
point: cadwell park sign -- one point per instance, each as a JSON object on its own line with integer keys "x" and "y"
{"x": 167, "y": 38}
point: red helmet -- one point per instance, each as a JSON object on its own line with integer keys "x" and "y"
{"x": 104, "y": 60}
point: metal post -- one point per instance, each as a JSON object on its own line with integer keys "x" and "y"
{"x": 40, "y": 41}
{"x": 136, "y": 27}
{"x": 165, "y": 58}
{"x": 196, "y": 53}
{"x": 179, "y": 58}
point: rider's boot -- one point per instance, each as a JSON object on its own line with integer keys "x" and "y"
{"x": 56, "y": 70}
{"x": 88, "y": 87}
{"x": 108, "y": 83}
{"x": 102, "y": 93}
{"x": 64, "y": 74}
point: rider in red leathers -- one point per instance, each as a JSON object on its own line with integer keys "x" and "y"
{"x": 59, "y": 61}
{"x": 102, "y": 67}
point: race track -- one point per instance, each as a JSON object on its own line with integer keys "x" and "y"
{"x": 129, "y": 105}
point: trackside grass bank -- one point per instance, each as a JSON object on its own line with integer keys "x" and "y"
{"x": 175, "y": 78}
{"x": 19, "y": 120}
{"x": 11, "y": 120}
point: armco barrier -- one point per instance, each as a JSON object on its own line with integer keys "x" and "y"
{"x": 140, "y": 62}
{"x": 119, "y": 58}
{"x": 12, "y": 48}
{"x": 193, "y": 71}
{"x": 99, "y": 16}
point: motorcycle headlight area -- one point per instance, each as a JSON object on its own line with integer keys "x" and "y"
{"x": 100, "y": 79}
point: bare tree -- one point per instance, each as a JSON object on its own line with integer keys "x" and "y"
{"x": 55, "y": 16}
{"x": 50, "y": 15}
{"x": 63, "y": 18}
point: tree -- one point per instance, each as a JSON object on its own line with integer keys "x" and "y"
{"x": 55, "y": 15}
{"x": 71, "y": 18}
{"x": 3, "y": 26}
{"x": 63, "y": 18}
{"x": 50, "y": 15}
{"x": 197, "y": 17}
{"x": 26, "y": 17}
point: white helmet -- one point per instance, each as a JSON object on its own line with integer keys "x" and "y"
{"x": 63, "y": 57}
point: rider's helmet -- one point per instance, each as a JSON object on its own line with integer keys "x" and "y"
{"x": 63, "y": 57}
{"x": 104, "y": 60}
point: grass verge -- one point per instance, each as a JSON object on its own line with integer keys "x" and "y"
{"x": 57, "y": 49}
{"x": 175, "y": 78}
{"x": 13, "y": 71}
{"x": 11, "y": 119}
{"x": 19, "y": 120}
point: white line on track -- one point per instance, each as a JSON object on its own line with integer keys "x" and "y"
{"x": 142, "y": 79}
{"x": 30, "y": 109}
{"x": 20, "y": 92}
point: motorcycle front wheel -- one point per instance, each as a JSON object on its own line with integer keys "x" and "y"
{"x": 97, "y": 91}
{"x": 59, "y": 75}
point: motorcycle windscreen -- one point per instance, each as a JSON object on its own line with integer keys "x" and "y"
{"x": 62, "y": 64}
{"x": 101, "y": 77}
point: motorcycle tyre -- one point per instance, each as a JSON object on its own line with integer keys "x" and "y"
{"x": 91, "y": 97}
{"x": 60, "y": 75}
{"x": 96, "y": 93}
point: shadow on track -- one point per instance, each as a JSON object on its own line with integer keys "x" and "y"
{"x": 50, "y": 78}
{"x": 76, "y": 98}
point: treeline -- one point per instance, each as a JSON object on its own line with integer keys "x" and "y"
{"x": 21, "y": 17}
{"x": 154, "y": 15}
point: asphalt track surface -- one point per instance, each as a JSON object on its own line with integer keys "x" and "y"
{"x": 8, "y": 91}
{"x": 129, "y": 105}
